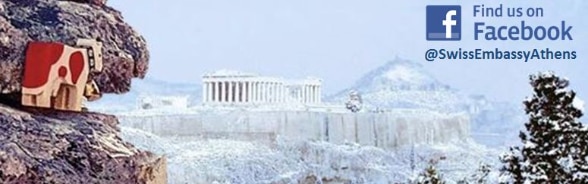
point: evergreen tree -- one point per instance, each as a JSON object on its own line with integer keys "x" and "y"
{"x": 354, "y": 104}
{"x": 430, "y": 175}
{"x": 479, "y": 177}
{"x": 555, "y": 146}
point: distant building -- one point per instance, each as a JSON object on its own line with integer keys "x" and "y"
{"x": 232, "y": 87}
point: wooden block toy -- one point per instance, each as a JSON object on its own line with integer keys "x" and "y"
{"x": 56, "y": 75}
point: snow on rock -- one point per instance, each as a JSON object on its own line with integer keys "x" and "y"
{"x": 194, "y": 160}
{"x": 387, "y": 130}
{"x": 222, "y": 161}
{"x": 402, "y": 83}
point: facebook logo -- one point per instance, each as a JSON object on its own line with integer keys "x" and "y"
{"x": 444, "y": 22}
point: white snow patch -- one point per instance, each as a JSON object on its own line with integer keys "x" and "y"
{"x": 193, "y": 160}
{"x": 403, "y": 74}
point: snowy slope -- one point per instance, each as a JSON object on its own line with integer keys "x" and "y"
{"x": 145, "y": 87}
{"x": 406, "y": 84}
{"x": 193, "y": 160}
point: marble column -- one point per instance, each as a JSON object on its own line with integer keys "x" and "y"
{"x": 238, "y": 91}
{"x": 243, "y": 91}
{"x": 264, "y": 89}
{"x": 319, "y": 94}
{"x": 302, "y": 90}
{"x": 306, "y": 94}
{"x": 313, "y": 94}
{"x": 299, "y": 95}
{"x": 221, "y": 91}
{"x": 210, "y": 91}
{"x": 280, "y": 93}
{"x": 252, "y": 90}
{"x": 204, "y": 91}
{"x": 269, "y": 92}
{"x": 255, "y": 92}
{"x": 274, "y": 92}
{"x": 212, "y": 94}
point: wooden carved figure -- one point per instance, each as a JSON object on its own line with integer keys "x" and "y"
{"x": 56, "y": 75}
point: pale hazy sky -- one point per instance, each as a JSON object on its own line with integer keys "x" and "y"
{"x": 340, "y": 40}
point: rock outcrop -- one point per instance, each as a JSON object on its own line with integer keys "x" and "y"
{"x": 48, "y": 146}
{"x": 21, "y": 21}
{"x": 45, "y": 146}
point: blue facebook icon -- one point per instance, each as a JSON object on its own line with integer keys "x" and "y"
{"x": 444, "y": 22}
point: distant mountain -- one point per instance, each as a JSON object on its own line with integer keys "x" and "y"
{"x": 146, "y": 87}
{"x": 398, "y": 75}
{"x": 405, "y": 84}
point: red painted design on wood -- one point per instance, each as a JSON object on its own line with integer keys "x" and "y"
{"x": 76, "y": 65}
{"x": 40, "y": 56}
{"x": 62, "y": 71}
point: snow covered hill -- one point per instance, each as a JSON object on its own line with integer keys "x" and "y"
{"x": 405, "y": 84}
{"x": 402, "y": 83}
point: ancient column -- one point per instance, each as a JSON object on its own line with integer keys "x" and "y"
{"x": 306, "y": 94}
{"x": 314, "y": 94}
{"x": 254, "y": 88}
{"x": 243, "y": 91}
{"x": 232, "y": 89}
{"x": 239, "y": 92}
{"x": 221, "y": 91}
{"x": 280, "y": 93}
{"x": 264, "y": 92}
{"x": 249, "y": 91}
{"x": 269, "y": 92}
{"x": 319, "y": 94}
{"x": 204, "y": 91}
{"x": 309, "y": 93}
{"x": 299, "y": 94}
{"x": 274, "y": 92}
{"x": 209, "y": 94}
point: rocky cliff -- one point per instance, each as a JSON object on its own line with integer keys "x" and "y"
{"x": 21, "y": 21}
{"x": 45, "y": 146}
{"x": 48, "y": 146}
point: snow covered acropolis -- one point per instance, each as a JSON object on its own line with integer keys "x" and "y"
{"x": 234, "y": 87}
{"x": 245, "y": 106}
{"x": 403, "y": 106}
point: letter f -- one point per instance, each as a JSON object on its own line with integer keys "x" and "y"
{"x": 448, "y": 22}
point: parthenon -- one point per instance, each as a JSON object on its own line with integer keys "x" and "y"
{"x": 232, "y": 87}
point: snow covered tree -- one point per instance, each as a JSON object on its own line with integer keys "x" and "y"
{"x": 354, "y": 103}
{"x": 555, "y": 146}
{"x": 480, "y": 176}
{"x": 430, "y": 175}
